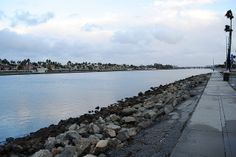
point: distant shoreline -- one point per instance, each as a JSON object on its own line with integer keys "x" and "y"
{"x": 9, "y": 73}
{"x": 56, "y": 72}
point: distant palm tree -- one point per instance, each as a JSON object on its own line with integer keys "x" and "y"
{"x": 28, "y": 63}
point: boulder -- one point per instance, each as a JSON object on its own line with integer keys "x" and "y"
{"x": 74, "y": 127}
{"x": 186, "y": 96}
{"x": 69, "y": 151}
{"x": 83, "y": 130}
{"x": 114, "y": 142}
{"x": 101, "y": 120}
{"x": 159, "y": 105}
{"x": 101, "y": 146}
{"x": 175, "y": 102}
{"x": 169, "y": 98}
{"x": 94, "y": 129}
{"x": 123, "y": 134}
{"x": 150, "y": 114}
{"x": 144, "y": 124}
{"x": 114, "y": 117}
{"x": 42, "y": 153}
{"x": 94, "y": 139}
{"x": 113, "y": 127}
{"x": 132, "y": 131}
{"x": 90, "y": 155}
{"x": 141, "y": 109}
{"x": 102, "y": 155}
{"x": 168, "y": 109}
{"x": 83, "y": 146}
{"x": 50, "y": 143}
{"x": 129, "y": 119}
{"x": 56, "y": 151}
{"x": 149, "y": 105}
{"x": 110, "y": 132}
{"x": 128, "y": 111}
{"x": 153, "y": 99}
{"x": 70, "y": 137}
{"x": 137, "y": 106}
{"x": 100, "y": 136}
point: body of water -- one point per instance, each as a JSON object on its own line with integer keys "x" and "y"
{"x": 29, "y": 102}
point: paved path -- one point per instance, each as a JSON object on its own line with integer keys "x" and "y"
{"x": 211, "y": 131}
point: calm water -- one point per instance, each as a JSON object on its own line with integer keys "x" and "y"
{"x": 29, "y": 102}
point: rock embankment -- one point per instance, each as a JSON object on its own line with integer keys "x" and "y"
{"x": 110, "y": 127}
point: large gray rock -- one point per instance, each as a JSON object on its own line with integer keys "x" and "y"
{"x": 128, "y": 111}
{"x": 74, "y": 127}
{"x": 159, "y": 105}
{"x": 83, "y": 146}
{"x": 42, "y": 153}
{"x": 169, "y": 98}
{"x": 175, "y": 102}
{"x": 186, "y": 96}
{"x": 114, "y": 117}
{"x": 94, "y": 139}
{"x": 94, "y": 129}
{"x": 168, "y": 109}
{"x": 113, "y": 127}
{"x": 153, "y": 99}
{"x": 129, "y": 119}
{"x": 50, "y": 143}
{"x": 101, "y": 120}
{"x": 141, "y": 109}
{"x": 172, "y": 89}
{"x": 137, "y": 106}
{"x": 101, "y": 146}
{"x": 69, "y": 137}
{"x": 90, "y": 155}
{"x": 100, "y": 136}
{"x": 138, "y": 115}
{"x": 110, "y": 132}
{"x": 83, "y": 130}
{"x": 150, "y": 114}
{"x": 144, "y": 124}
{"x": 132, "y": 131}
{"x": 102, "y": 155}
{"x": 123, "y": 134}
{"x": 149, "y": 105}
{"x": 114, "y": 142}
{"x": 69, "y": 151}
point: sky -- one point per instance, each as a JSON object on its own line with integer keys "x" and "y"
{"x": 177, "y": 32}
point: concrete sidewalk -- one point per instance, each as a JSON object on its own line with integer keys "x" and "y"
{"x": 211, "y": 131}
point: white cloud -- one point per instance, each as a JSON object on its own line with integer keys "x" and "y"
{"x": 180, "y": 3}
{"x": 91, "y": 27}
{"x": 25, "y": 17}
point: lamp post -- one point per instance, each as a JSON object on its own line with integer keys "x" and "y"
{"x": 228, "y": 28}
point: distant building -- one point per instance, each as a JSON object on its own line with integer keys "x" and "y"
{"x": 41, "y": 70}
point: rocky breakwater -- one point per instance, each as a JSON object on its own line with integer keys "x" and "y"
{"x": 108, "y": 128}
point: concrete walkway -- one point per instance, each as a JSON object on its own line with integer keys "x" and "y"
{"x": 211, "y": 131}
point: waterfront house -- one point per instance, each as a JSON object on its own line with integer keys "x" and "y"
{"x": 41, "y": 70}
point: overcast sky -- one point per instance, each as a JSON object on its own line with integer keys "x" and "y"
{"x": 178, "y": 32}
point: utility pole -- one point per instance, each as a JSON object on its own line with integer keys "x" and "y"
{"x": 229, "y": 28}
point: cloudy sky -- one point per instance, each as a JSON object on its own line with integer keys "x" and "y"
{"x": 178, "y": 32}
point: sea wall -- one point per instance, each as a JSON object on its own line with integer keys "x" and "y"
{"x": 104, "y": 128}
